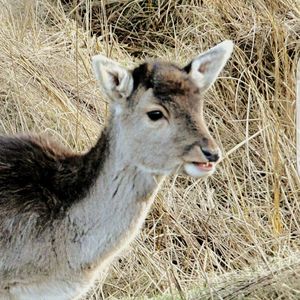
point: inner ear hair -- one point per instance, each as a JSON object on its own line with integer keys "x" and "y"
{"x": 205, "y": 68}
{"x": 115, "y": 79}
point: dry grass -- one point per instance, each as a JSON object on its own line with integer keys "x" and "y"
{"x": 232, "y": 236}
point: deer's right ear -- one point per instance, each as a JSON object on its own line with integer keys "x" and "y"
{"x": 116, "y": 81}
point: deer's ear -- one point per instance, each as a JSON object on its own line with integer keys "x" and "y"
{"x": 205, "y": 68}
{"x": 116, "y": 81}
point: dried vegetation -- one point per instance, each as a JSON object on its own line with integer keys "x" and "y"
{"x": 231, "y": 236}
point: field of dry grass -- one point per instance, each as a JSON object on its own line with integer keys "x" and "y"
{"x": 235, "y": 235}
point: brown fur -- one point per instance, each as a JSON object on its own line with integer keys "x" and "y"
{"x": 38, "y": 175}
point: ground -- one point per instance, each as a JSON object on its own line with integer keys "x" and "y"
{"x": 234, "y": 235}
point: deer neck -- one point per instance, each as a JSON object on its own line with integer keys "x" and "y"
{"x": 110, "y": 216}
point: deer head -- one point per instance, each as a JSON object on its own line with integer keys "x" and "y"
{"x": 158, "y": 110}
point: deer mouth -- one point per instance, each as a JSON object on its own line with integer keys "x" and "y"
{"x": 207, "y": 166}
{"x": 199, "y": 169}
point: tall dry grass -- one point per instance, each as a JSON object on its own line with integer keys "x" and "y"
{"x": 231, "y": 236}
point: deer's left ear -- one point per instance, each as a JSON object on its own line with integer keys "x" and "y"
{"x": 205, "y": 68}
{"x": 116, "y": 81}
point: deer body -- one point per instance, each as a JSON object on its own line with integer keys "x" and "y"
{"x": 86, "y": 237}
{"x": 63, "y": 216}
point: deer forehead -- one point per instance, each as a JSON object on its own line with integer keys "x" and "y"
{"x": 170, "y": 86}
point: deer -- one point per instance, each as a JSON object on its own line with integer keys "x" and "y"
{"x": 65, "y": 216}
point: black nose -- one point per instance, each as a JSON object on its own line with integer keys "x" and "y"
{"x": 212, "y": 156}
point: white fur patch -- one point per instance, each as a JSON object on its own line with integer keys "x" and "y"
{"x": 49, "y": 290}
{"x": 118, "y": 109}
{"x": 193, "y": 171}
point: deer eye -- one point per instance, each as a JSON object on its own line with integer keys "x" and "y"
{"x": 155, "y": 115}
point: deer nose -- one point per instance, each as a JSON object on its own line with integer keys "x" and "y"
{"x": 211, "y": 155}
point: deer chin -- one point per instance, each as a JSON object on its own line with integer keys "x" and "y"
{"x": 196, "y": 169}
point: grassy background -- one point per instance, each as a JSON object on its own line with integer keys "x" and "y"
{"x": 231, "y": 236}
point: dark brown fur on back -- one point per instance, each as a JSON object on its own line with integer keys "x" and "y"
{"x": 39, "y": 176}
